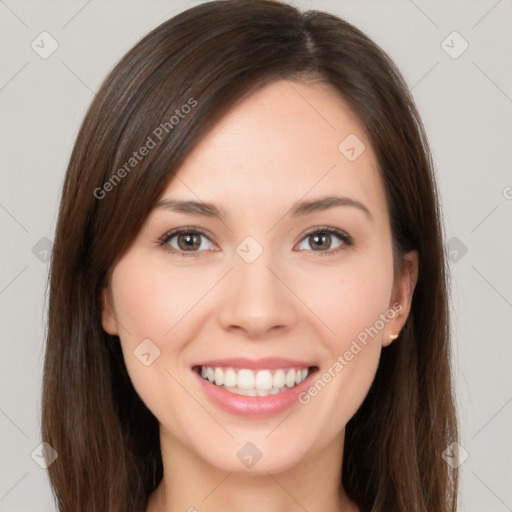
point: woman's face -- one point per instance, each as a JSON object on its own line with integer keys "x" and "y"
{"x": 288, "y": 275}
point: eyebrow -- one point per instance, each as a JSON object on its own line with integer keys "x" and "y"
{"x": 300, "y": 208}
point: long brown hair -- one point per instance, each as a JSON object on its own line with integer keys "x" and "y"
{"x": 212, "y": 56}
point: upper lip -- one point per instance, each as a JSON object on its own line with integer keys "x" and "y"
{"x": 255, "y": 364}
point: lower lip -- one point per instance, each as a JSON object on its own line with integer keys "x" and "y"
{"x": 253, "y": 406}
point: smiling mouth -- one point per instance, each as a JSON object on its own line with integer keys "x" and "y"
{"x": 247, "y": 382}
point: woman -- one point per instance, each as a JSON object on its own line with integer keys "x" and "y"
{"x": 248, "y": 299}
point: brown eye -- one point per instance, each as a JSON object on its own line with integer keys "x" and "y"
{"x": 325, "y": 241}
{"x": 320, "y": 241}
{"x": 189, "y": 242}
{"x": 186, "y": 242}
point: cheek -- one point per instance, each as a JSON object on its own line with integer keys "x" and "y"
{"x": 351, "y": 301}
{"x": 151, "y": 306}
{"x": 154, "y": 301}
{"x": 349, "y": 298}
{"x": 151, "y": 299}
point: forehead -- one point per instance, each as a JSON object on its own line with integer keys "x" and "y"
{"x": 283, "y": 142}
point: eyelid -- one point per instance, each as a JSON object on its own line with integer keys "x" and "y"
{"x": 329, "y": 230}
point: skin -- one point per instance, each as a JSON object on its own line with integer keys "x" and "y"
{"x": 276, "y": 147}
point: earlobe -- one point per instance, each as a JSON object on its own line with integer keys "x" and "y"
{"x": 402, "y": 294}
{"x": 108, "y": 319}
{"x": 388, "y": 339}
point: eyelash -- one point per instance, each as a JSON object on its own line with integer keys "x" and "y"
{"x": 344, "y": 237}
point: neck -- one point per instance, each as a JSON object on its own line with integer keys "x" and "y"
{"x": 193, "y": 485}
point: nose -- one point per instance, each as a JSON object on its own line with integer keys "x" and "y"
{"x": 256, "y": 301}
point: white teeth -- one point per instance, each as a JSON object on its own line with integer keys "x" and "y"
{"x": 278, "y": 381}
{"x": 254, "y": 382}
{"x": 290, "y": 378}
{"x": 245, "y": 379}
{"x": 263, "y": 380}
{"x": 230, "y": 378}
{"x": 219, "y": 377}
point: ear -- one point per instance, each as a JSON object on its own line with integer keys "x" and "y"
{"x": 401, "y": 297}
{"x": 108, "y": 317}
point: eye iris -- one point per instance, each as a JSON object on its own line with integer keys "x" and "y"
{"x": 319, "y": 241}
{"x": 190, "y": 241}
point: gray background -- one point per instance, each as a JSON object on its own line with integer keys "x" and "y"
{"x": 465, "y": 102}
